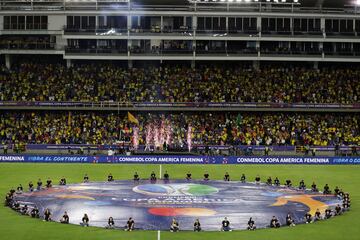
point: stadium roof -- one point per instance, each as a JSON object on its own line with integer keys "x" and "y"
{"x": 304, "y": 3}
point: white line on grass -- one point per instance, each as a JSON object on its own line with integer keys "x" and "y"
{"x": 160, "y": 172}
{"x": 158, "y": 237}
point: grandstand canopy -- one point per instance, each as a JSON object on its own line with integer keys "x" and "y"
{"x": 304, "y": 3}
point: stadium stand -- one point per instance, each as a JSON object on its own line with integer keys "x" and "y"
{"x": 37, "y": 82}
{"x": 208, "y": 128}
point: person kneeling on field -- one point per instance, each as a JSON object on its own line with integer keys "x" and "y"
{"x": 227, "y": 177}
{"x": 130, "y": 225}
{"x": 346, "y": 204}
{"x": 111, "y": 223}
{"x": 153, "y": 177}
{"x": 48, "y": 183}
{"x": 302, "y": 185}
{"x": 110, "y": 177}
{"x": 34, "y": 213}
{"x": 277, "y": 182}
{"x": 39, "y": 185}
{"x": 136, "y": 177}
{"x": 19, "y": 189}
{"x": 85, "y": 221}
{"x": 327, "y": 189}
{"x": 31, "y": 186}
{"x": 269, "y": 181}
{"x": 317, "y": 215}
{"x": 288, "y": 183}
{"x": 274, "y": 223}
{"x": 328, "y": 213}
{"x": 251, "y": 224}
{"x": 86, "y": 178}
{"x": 289, "y": 221}
{"x": 188, "y": 176}
{"x": 65, "y": 218}
{"x": 8, "y": 200}
{"x": 308, "y": 218}
{"x": 174, "y": 227}
{"x": 16, "y": 206}
{"x": 47, "y": 215}
{"x": 338, "y": 210}
{"x": 225, "y": 225}
{"x": 166, "y": 177}
{"x": 62, "y": 181}
{"x": 243, "y": 178}
{"x": 257, "y": 179}
{"x": 314, "y": 188}
{"x": 206, "y": 176}
{"x": 197, "y": 226}
{"x": 24, "y": 210}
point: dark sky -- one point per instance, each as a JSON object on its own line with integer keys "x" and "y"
{"x": 305, "y": 3}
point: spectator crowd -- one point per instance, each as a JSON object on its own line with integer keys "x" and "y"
{"x": 206, "y": 128}
{"x": 51, "y": 82}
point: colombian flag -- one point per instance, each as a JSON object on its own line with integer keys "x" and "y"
{"x": 132, "y": 118}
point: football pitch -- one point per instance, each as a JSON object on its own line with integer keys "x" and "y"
{"x": 14, "y": 226}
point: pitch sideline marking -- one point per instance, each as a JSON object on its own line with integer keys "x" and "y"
{"x": 160, "y": 171}
{"x": 158, "y": 235}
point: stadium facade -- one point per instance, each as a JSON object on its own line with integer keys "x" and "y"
{"x": 201, "y": 30}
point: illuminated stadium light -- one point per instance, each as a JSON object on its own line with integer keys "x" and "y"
{"x": 231, "y": 1}
{"x": 223, "y": 1}
{"x": 118, "y": 1}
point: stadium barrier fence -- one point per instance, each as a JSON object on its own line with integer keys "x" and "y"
{"x": 163, "y": 159}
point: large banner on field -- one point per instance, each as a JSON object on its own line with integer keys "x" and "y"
{"x": 163, "y": 159}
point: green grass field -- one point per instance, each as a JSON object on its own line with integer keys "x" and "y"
{"x": 13, "y": 226}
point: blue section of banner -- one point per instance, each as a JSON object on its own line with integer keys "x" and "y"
{"x": 163, "y": 159}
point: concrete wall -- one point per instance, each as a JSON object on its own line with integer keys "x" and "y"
{"x": 56, "y": 22}
{"x": 1, "y": 22}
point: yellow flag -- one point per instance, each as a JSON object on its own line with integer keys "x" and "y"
{"x": 69, "y": 119}
{"x": 132, "y": 118}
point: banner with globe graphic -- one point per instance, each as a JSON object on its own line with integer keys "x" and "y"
{"x": 154, "y": 205}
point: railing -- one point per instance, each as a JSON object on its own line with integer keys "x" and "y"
{"x": 96, "y": 51}
{"x": 139, "y": 105}
{"x": 26, "y": 27}
{"x": 27, "y": 45}
{"x": 128, "y": 145}
{"x": 234, "y": 6}
{"x": 193, "y": 32}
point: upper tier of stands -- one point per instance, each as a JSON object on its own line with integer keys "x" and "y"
{"x": 95, "y": 83}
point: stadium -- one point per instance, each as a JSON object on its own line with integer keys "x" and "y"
{"x": 179, "y": 119}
